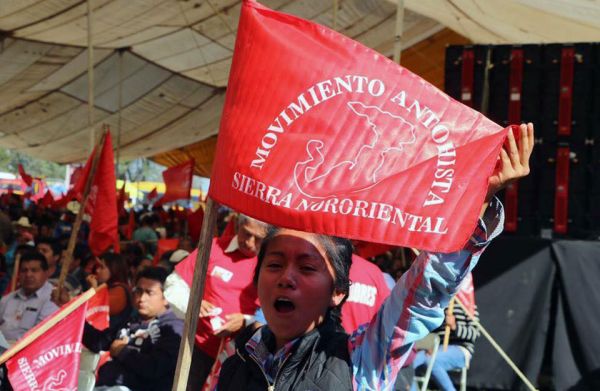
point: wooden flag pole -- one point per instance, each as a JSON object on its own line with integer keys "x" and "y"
{"x": 77, "y": 224}
{"x": 196, "y": 293}
{"x": 497, "y": 347}
{"x": 45, "y": 326}
{"x": 447, "y": 328}
{"x": 15, "y": 276}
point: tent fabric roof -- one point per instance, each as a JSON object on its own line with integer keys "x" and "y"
{"x": 173, "y": 59}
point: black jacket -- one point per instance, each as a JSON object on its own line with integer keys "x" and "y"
{"x": 148, "y": 362}
{"x": 320, "y": 361}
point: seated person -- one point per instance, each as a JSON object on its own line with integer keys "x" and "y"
{"x": 144, "y": 353}
{"x": 463, "y": 334}
{"x": 31, "y": 303}
{"x": 111, "y": 269}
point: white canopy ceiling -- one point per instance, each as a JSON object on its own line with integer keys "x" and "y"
{"x": 168, "y": 60}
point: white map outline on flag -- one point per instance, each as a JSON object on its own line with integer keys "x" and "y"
{"x": 358, "y": 108}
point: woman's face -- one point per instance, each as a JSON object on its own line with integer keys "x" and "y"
{"x": 102, "y": 272}
{"x": 295, "y": 285}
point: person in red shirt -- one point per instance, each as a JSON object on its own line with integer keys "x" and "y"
{"x": 368, "y": 290}
{"x": 230, "y": 299}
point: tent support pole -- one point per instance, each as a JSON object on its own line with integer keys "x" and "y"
{"x": 90, "y": 76}
{"x": 119, "y": 117}
{"x": 399, "y": 30}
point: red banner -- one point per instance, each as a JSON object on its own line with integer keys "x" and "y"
{"x": 51, "y": 362}
{"x": 97, "y": 313}
{"x": 102, "y": 200}
{"x": 178, "y": 182}
{"x": 320, "y": 133}
{"x": 194, "y": 221}
{"x": 28, "y": 179}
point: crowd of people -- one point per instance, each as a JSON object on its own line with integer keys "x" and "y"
{"x": 281, "y": 307}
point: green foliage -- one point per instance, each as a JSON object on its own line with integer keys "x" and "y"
{"x": 9, "y": 162}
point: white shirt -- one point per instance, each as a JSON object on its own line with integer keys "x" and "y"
{"x": 19, "y": 312}
{"x": 177, "y": 291}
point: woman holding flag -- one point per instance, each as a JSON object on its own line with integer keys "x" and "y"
{"x": 302, "y": 281}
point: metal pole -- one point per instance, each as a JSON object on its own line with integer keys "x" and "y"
{"x": 90, "y": 76}
{"x": 335, "y": 11}
{"x": 399, "y": 31}
{"x": 119, "y": 121}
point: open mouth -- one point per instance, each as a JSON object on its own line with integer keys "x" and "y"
{"x": 284, "y": 305}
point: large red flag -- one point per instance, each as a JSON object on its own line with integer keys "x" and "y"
{"x": 51, "y": 362}
{"x": 28, "y": 179}
{"x": 178, "y": 182}
{"x": 102, "y": 200}
{"x": 320, "y": 133}
{"x": 97, "y": 313}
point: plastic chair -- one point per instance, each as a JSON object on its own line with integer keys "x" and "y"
{"x": 87, "y": 370}
{"x": 432, "y": 343}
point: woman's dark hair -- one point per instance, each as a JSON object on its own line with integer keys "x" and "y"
{"x": 117, "y": 266}
{"x": 339, "y": 254}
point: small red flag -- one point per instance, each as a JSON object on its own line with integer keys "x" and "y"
{"x": 165, "y": 245}
{"x": 330, "y": 136}
{"x": 130, "y": 225}
{"x": 51, "y": 362}
{"x": 102, "y": 200}
{"x": 153, "y": 194}
{"x": 466, "y": 294}
{"x": 121, "y": 200}
{"x": 75, "y": 176}
{"x": 28, "y": 179}
{"x": 97, "y": 313}
{"x": 178, "y": 182}
{"x": 47, "y": 200}
{"x": 195, "y": 223}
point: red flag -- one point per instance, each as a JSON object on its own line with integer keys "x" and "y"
{"x": 121, "y": 200}
{"x": 102, "y": 200}
{"x": 48, "y": 200}
{"x": 178, "y": 182}
{"x": 329, "y": 136}
{"x": 130, "y": 225}
{"x": 75, "y": 177}
{"x": 165, "y": 245}
{"x": 466, "y": 294}
{"x": 97, "y": 313}
{"x": 51, "y": 362}
{"x": 28, "y": 179}
{"x": 153, "y": 194}
{"x": 195, "y": 223}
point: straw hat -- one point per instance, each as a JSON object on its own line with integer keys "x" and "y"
{"x": 178, "y": 256}
{"x": 23, "y": 222}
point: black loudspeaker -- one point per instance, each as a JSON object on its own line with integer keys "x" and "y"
{"x": 557, "y": 87}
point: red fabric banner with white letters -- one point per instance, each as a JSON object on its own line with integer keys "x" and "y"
{"x": 98, "y": 312}
{"x": 51, "y": 362}
{"x": 323, "y": 134}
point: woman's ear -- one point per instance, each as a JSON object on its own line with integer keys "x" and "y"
{"x": 336, "y": 298}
